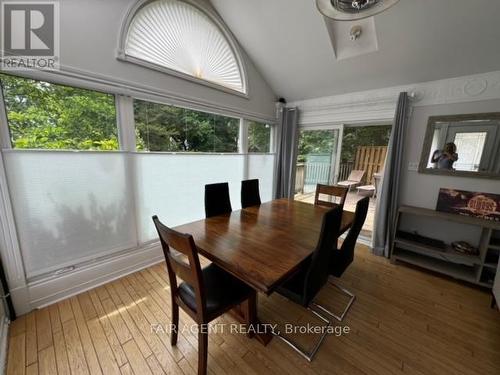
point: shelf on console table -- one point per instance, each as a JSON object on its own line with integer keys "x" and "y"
{"x": 472, "y": 268}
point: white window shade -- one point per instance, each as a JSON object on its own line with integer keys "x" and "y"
{"x": 262, "y": 167}
{"x": 173, "y": 186}
{"x": 178, "y": 36}
{"x": 69, "y": 207}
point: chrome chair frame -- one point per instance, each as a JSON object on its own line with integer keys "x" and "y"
{"x": 309, "y": 355}
{"x": 346, "y": 310}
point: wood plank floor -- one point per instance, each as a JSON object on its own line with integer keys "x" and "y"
{"x": 404, "y": 321}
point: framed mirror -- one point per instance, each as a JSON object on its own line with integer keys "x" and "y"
{"x": 462, "y": 145}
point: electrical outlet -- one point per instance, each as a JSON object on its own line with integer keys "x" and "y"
{"x": 412, "y": 166}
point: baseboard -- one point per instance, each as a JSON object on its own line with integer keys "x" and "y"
{"x": 46, "y": 292}
{"x": 4, "y": 334}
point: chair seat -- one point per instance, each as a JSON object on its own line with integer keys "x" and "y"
{"x": 222, "y": 290}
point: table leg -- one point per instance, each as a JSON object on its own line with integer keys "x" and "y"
{"x": 246, "y": 313}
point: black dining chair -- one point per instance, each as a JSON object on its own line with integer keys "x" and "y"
{"x": 302, "y": 287}
{"x": 341, "y": 259}
{"x": 204, "y": 294}
{"x": 250, "y": 195}
{"x": 217, "y": 201}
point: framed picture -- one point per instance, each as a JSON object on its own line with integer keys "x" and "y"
{"x": 468, "y": 203}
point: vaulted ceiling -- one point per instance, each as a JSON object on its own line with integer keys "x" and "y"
{"x": 418, "y": 41}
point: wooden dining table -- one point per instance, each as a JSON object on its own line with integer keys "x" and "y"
{"x": 261, "y": 245}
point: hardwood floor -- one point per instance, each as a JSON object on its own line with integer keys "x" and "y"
{"x": 404, "y": 321}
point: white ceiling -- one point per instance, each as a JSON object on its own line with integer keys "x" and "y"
{"x": 418, "y": 41}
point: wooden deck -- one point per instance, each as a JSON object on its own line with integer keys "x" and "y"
{"x": 350, "y": 205}
{"x": 404, "y": 321}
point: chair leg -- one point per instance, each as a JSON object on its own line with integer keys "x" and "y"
{"x": 309, "y": 355}
{"x": 202, "y": 352}
{"x": 349, "y": 304}
{"x": 175, "y": 324}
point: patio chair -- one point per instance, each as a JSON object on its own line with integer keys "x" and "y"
{"x": 354, "y": 179}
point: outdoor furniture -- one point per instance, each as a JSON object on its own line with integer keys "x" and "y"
{"x": 332, "y": 191}
{"x": 368, "y": 190}
{"x": 354, "y": 179}
{"x": 250, "y": 195}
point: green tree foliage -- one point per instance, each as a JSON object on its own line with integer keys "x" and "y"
{"x": 162, "y": 127}
{"x": 47, "y": 116}
{"x": 355, "y": 137}
{"x": 259, "y": 137}
{"x": 315, "y": 142}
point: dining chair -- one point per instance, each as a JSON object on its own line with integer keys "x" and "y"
{"x": 303, "y": 286}
{"x": 333, "y": 191}
{"x": 217, "y": 201}
{"x": 204, "y": 294}
{"x": 250, "y": 195}
{"x": 341, "y": 259}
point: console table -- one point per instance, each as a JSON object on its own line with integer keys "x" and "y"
{"x": 478, "y": 269}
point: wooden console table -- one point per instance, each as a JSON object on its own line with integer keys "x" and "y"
{"x": 478, "y": 269}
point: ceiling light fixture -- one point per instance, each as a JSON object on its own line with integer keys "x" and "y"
{"x": 350, "y": 10}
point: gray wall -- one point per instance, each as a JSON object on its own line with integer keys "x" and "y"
{"x": 422, "y": 189}
{"x": 89, "y": 41}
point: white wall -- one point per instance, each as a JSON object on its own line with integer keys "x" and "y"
{"x": 90, "y": 32}
{"x": 421, "y": 190}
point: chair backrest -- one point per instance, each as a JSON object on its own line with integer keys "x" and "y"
{"x": 334, "y": 191}
{"x": 356, "y": 175}
{"x": 347, "y": 248}
{"x": 250, "y": 195}
{"x": 318, "y": 272}
{"x": 217, "y": 201}
{"x": 182, "y": 260}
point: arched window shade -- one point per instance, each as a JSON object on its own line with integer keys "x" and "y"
{"x": 178, "y": 36}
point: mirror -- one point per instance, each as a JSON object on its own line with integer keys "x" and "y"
{"x": 462, "y": 145}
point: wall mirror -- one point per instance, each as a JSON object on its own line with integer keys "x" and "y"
{"x": 462, "y": 145}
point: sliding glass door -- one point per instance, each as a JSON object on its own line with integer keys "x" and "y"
{"x": 317, "y": 160}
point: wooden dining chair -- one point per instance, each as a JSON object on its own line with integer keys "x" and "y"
{"x": 341, "y": 259}
{"x": 250, "y": 195}
{"x": 339, "y": 192}
{"x": 204, "y": 294}
{"x": 217, "y": 200}
{"x": 304, "y": 285}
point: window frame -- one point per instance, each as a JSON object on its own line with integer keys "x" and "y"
{"x": 122, "y": 56}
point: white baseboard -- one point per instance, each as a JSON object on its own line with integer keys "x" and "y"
{"x": 4, "y": 334}
{"x": 48, "y": 291}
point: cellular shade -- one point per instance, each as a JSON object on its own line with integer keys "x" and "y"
{"x": 172, "y": 186}
{"x": 176, "y": 35}
{"x": 69, "y": 207}
{"x": 262, "y": 167}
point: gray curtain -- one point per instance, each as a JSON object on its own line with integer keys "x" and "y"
{"x": 286, "y": 153}
{"x": 387, "y": 200}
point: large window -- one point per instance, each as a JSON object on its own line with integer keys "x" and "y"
{"x": 161, "y": 127}
{"x": 177, "y": 36}
{"x": 72, "y": 208}
{"x": 43, "y": 115}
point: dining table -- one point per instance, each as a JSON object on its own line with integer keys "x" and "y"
{"x": 262, "y": 246}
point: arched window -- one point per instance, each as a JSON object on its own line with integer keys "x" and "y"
{"x": 182, "y": 39}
